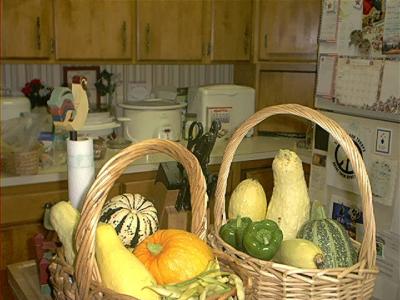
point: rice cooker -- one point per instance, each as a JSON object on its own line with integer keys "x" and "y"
{"x": 13, "y": 107}
{"x": 152, "y": 118}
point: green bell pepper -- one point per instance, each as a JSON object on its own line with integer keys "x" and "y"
{"x": 262, "y": 239}
{"x": 232, "y": 232}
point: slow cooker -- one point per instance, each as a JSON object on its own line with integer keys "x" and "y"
{"x": 152, "y": 118}
{"x": 13, "y": 107}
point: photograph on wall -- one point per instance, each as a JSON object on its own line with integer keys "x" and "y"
{"x": 347, "y": 215}
{"x": 391, "y": 34}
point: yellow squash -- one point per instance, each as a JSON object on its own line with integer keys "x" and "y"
{"x": 299, "y": 253}
{"x": 248, "y": 200}
{"x": 64, "y": 218}
{"x": 120, "y": 270}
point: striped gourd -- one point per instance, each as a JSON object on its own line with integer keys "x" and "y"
{"x": 133, "y": 217}
{"x": 331, "y": 237}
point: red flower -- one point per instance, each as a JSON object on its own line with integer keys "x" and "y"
{"x": 36, "y": 82}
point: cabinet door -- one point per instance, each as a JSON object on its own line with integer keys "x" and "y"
{"x": 93, "y": 29}
{"x": 288, "y": 29}
{"x": 231, "y": 30}
{"x": 169, "y": 29}
{"x": 26, "y": 28}
{"x": 280, "y": 87}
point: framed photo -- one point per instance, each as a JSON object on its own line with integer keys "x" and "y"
{"x": 92, "y": 74}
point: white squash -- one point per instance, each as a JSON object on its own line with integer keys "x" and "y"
{"x": 248, "y": 200}
{"x": 290, "y": 204}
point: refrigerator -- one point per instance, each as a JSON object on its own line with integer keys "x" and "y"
{"x": 358, "y": 85}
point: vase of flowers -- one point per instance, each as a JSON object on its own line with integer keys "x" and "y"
{"x": 37, "y": 93}
{"x": 106, "y": 88}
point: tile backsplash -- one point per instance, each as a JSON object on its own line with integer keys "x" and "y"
{"x": 14, "y": 76}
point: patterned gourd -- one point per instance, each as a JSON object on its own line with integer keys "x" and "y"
{"x": 133, "y": 217}
{"x": 331, "y": 237}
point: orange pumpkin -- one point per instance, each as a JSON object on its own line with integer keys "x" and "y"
{"x": 173, "y": 255}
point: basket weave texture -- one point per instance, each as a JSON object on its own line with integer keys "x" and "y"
{"x": 23, "y": 163}
{"x": 277, "y": 281}
{"x": 83, "y": 281}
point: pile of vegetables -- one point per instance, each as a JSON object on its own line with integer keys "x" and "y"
{"x": 282, "y": 230}
{"x": 136, "y": 259}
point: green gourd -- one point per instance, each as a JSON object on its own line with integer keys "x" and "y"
{"x": 331, "y": 237}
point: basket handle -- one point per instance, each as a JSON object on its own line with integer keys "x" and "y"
{"x": 85, "y": 264}
{"x": 368, "y": 250}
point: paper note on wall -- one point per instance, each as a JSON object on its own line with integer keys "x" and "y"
{"x": 390, "y": 91}
{"x": 382, "y": 174}
{"x": 357, "y": 81}
{"x": 326, "y": 72}
{"x": 350, "y": 19}
{"x": 329, "y": 20}
{"x": 340, "y": 173}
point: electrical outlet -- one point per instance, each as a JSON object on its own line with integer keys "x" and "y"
{"x": 383, "y": 140}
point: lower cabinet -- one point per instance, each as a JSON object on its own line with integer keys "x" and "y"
{"x": 22, "y": 207}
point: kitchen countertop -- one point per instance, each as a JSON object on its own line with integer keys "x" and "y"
{"x": 254, "y": 148}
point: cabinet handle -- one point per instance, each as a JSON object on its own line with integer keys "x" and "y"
{"x": 52, "y": 46}
{"x": 124, "y": 36}
{"x": 147, "y": 38}
{"x": 38, "y": 38}
{"x": 246, "y": 39}
{"x": 265, "y": 40}
{"x": 209, "y": 49}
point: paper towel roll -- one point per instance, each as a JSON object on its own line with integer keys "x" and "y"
{"x": 80, "y": 170}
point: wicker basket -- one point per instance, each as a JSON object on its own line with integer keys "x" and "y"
{"x": 277, "y": 281}
{"x": 23, "y": 163}
{"x": 84, "y": 281}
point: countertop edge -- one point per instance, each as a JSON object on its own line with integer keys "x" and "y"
{"x": 304, "y": 154}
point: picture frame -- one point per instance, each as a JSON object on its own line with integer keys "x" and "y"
{"x": 92, "y": 74}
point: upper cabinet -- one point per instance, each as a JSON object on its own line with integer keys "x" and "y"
{"x": 169, "y": 30}
{"x": 93, "y": 29}
{"x": 288, "y": 29}
{"x": 230, "y": 30}
{"x": 26, "y": 29}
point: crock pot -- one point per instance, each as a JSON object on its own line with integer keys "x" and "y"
{"x": 12, "y": 107}
{"x": 152, "y": 118}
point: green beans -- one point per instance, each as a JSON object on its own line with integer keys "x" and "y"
{"x": 210, "y": 284}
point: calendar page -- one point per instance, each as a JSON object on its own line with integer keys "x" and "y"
{"x": 357, "y": 81}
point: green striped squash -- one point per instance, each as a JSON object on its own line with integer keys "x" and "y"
{"x": 331, "y": 237}
{"x": 133, "y": 217}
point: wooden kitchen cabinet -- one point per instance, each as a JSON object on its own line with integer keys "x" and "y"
{"x": 26, "y": 28}
{"x": 281, "y": 87}
{"x": 288, "y": 29}
{"x": 169, "y": 30}
{"x": 93, "y": 29}
{"x": 231, "y": 33}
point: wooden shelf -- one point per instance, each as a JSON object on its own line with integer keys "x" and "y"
{"x": 24, "y": 281}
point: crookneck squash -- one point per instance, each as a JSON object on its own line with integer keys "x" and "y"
{"x": 173, "y": 255}
{"x": 290, "y": 204}
{"x": 133, "y": 217}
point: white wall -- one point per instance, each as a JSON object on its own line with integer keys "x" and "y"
{"x": 14, "y": 76}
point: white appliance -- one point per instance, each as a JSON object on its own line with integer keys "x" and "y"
{"x": 231, "y": 104}
{"x": 360, "y": 87}
{"x": 13, "y": 107}
{"x": 152, "y": 118}
{"x": 99, "y": 124}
